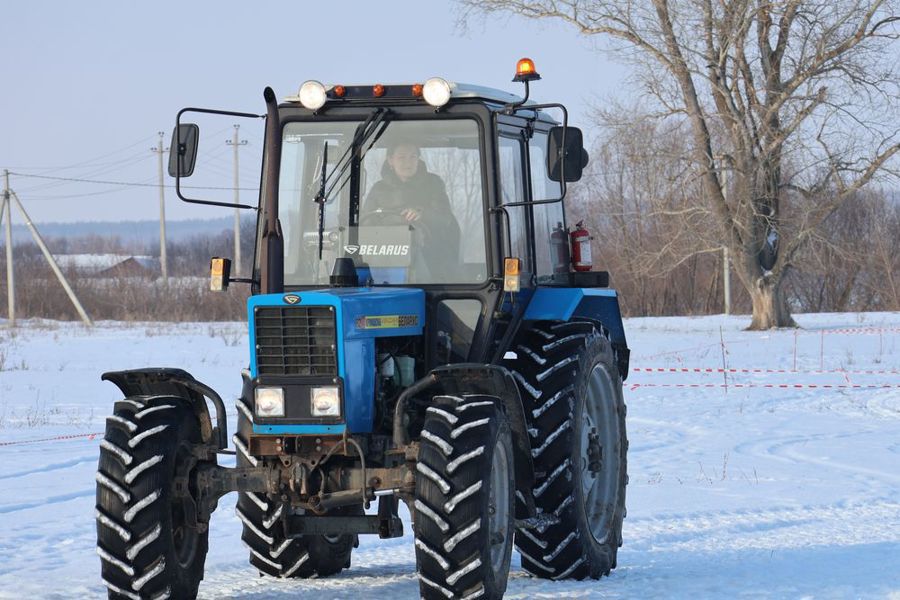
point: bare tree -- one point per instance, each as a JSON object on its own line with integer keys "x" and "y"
{"x": 642, "y": 210}
{"x": 797, "y": 100}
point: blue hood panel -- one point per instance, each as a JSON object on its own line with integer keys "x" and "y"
{"x": 362, "y": 314}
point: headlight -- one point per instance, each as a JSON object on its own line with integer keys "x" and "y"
{"x": 269, "y": 402}
{"x": 436, "y": 92}
{"x": 312, "y": 95}
{"x": 325, "y": 401}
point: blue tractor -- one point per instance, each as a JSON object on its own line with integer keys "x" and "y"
{"x": 424, "y": 326}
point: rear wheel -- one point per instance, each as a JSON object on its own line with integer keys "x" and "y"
{"x": 147, "y": 544}
{"x": 263, "y": 534}
{"x": 464, "y": 499}
{"x": 572, "y": 394}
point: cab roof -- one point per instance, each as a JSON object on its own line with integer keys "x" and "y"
{"x": 400, "y": 91}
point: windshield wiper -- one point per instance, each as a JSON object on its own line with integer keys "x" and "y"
{"x": 375, "y": 123}
{"x": 320, "y": 198}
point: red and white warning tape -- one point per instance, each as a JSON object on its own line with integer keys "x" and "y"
{"x": 857, "y": 330}
{"x": 89, "y": 436}
{"x": 785, "y": 371}
{"x": 635, "y": 386}
{"x": 819, "y": 332}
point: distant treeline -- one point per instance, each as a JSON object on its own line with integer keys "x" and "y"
{"x": 184, "y": 297}
{"x": 128, "y": 232}
{"x": 659, "y": 262}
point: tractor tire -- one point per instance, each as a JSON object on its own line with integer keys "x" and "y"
{"x": 464, "y": 501}
{"x": 263, "y": 533}
{"x": 146, "y": 548}
{"x": 572, "y": 394}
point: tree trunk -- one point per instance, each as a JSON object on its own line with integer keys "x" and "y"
{"x": 770, "y": 307}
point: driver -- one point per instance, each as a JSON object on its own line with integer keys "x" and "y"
{"x": 407, "y": 189}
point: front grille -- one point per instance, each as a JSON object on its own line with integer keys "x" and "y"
{"x": 295, "y": 340}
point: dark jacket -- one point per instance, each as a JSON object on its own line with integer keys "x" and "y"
{"x": 424, "y": 192}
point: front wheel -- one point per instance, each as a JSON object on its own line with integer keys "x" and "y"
{"x": 464, "y": 499}
{"x": 149, "y": 547}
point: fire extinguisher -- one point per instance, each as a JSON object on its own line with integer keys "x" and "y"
{"x": 581, "y": 248}
{"x": 559, "y": 245}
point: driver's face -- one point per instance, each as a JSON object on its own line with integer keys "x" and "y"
{"x": 404, "y": 161}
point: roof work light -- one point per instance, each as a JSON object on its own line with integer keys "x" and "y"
{"x": 436, "y": 92}
{"x": 312, "y": 95}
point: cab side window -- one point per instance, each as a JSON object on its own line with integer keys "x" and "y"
{"x": 551, "y": 243}
{"x": 512, "y": 189}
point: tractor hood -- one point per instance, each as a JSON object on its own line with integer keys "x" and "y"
{"x": 328, "y": 335}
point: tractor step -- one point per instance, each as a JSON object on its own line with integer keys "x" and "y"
{"x": 297, "y": 526}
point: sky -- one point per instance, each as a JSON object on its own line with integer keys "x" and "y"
{"x": 87, "y": 85}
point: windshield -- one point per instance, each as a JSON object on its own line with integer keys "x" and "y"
{"x": 409, "y": 211}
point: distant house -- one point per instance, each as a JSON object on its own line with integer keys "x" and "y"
{"x": 108, "y": 266}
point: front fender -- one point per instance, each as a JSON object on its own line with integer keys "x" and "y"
{"x": 179, "y": 383}
{"x": 492, "y": 380}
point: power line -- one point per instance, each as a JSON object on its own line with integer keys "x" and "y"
{"x": 112, "y": 190}
{"x": 90, "y": 160}
{"x": 118, "y": 165}
{"x": 128, "y": 183}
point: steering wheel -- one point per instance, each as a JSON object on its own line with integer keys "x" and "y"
{"x": 381, "y": 217}
{"x": 392, "y": 217}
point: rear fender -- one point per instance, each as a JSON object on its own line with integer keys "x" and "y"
{"x": 175, "y": 382}
{"x": 600, "y": 305}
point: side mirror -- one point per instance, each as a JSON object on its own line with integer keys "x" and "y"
{"x": 576, "y": 156}
{"x": 183, "y": 150}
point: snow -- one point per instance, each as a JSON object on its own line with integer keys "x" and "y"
{"x": 734, "y": 491}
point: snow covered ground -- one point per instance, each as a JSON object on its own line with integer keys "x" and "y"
{"x": 737, "y": 488}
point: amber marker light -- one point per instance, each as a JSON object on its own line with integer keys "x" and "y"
{"x": 417, "y": 90}
{"x": 339, "y": 91}
{"x": 525, "y": 70}
{"x": 378, "y": 90}
{"x": 511, "y": 269}
{"x": 219, "y": 272}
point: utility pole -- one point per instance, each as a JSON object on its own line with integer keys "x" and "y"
{"x": 726, "y": 271}
{"x": 237, "y": 200}
{"x": 163, "y": 261}
{"x": 10, "y": 276}
{"x": 52, "y": 262}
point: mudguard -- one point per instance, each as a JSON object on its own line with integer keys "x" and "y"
{"x": 601, "y": 305}
{"x": 492, "y": 380}
{"x": 176, "y": 382}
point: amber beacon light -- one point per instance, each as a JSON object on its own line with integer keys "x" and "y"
{"x": 525, "y": 70}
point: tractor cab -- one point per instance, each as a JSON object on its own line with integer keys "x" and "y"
{"x": 451, "y": 188}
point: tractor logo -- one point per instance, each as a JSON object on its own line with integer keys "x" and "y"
{"x": 292, "y": 299}
{"x": 378, "y": 249}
